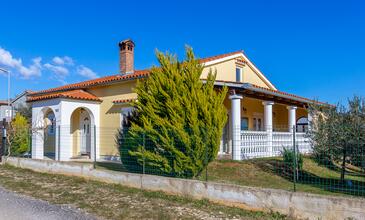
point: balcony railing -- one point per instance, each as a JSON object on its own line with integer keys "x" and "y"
{"x": 259, "y": 144}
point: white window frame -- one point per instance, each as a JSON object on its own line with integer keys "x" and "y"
{"x": 240, "y": 74}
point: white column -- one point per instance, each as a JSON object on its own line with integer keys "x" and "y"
{"x": 292, "y": 118}
{"x": 236, "y": 126}
{"x": 37, "y": 133}
{"x": 268, "y": 124}
{"x": 37, "y": 143}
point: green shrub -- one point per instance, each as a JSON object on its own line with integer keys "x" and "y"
{"x": 289, "y": 159}
{"x": 18, "y": 135}
{"x": 180, "y": 120}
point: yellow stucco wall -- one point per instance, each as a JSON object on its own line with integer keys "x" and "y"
{"x": 250, "y": 76}
{"x": 110, "y": 113}
{"x": 226, "y": 71}
{"x": 75, "y": 132}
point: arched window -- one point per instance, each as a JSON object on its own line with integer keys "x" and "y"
{"x": 302, "y": 124}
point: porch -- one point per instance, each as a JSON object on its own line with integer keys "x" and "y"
{"x": 262, "y": 123}
{"x": 64, "y": 129}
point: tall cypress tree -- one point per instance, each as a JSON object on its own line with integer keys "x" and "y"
{"x": 178, "y": 119}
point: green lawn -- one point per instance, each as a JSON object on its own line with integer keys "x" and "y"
{"x": 272, "y": 173}
{"x": 113, "y": 201}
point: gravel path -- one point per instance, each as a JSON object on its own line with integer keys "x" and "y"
{"x": 18, "y": 207}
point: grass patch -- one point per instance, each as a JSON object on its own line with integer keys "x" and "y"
{"x": 272, "y": 173}
{"x": 113, "y": 201}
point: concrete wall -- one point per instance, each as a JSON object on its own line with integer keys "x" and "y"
{"x": 299, "y": 205}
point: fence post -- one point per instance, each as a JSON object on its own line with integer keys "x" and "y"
{"x": 30, "y": 143}
{"x": 144, "y": 146}
{"x": 295, "y": 159}
{"x": 3, "y": 149}
{"x": 59, "y": 143}
{"x": 94, "y": 163}
{"x": 206, "y": 164}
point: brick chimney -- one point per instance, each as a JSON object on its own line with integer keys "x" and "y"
{"x": 126, "y": 59}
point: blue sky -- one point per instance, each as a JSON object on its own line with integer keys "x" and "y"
{"x": 310, "y": 48}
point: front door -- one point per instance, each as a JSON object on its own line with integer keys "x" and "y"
{"x": 85, "y": 136}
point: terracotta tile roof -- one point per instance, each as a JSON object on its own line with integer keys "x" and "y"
{"x": 121, "y": 101}
{"x": 280, "y": 92}
{"x": 96, "y": 82}
{"x": 3, "y": 102}
{"x": 207, "y": 59}
{"x": 75, "y": 90}
{"x": 249, "y": 86}
{"x": 291, "y": 95}
{"x": 118, "y": 77}
{"x": 72, "y": 94}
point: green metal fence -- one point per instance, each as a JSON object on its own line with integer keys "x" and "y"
{"x": 282, "y": 160}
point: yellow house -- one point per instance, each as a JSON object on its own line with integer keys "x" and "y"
{"x": 80, "y": 120}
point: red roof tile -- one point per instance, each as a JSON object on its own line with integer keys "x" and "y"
{"x": 3, "y": 102}
{"x": 72, "y": 94}
{"x": 96, "y": 82}
{"x": 118, "y": 77}
{"x": 274, "y": 91}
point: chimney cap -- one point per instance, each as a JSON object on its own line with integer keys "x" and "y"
{"x": 126, "y": 41}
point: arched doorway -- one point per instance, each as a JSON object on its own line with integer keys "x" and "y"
{"x": 82, "y": 127}
{"x": 49, "y": 134}
{"x": 302, "y": 124}
{"x": 85, "y": 137}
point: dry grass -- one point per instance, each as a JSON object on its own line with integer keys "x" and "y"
{"x": 111, "y": 201}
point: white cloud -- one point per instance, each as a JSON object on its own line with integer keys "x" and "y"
{"x": 59, "y": 67}
{"x": 86, "y": 72}
{"x": 58, "y": 70}
{"x": 63, "y": 60}
{"x": 7, "y": 60}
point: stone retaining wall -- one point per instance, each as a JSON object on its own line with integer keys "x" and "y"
{"x": 299, "y": 205}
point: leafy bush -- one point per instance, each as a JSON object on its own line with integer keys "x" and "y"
{"x": 289, "y": 159}
{"x": 180, "y": 120}
{"x": 18, "y": 135}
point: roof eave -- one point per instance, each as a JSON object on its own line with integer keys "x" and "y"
{"x": 250, "y": 87}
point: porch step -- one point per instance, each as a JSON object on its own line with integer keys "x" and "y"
{"x": 80, "y": 157}
{"x": 224, "y": 156}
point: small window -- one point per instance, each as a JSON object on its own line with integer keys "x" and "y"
{"x": 244, "y": 124}
{"x": 238, "y": 74}
{"x": 302, "y": 124}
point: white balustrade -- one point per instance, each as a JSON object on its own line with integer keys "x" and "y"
{"x": 255, "y": 144}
